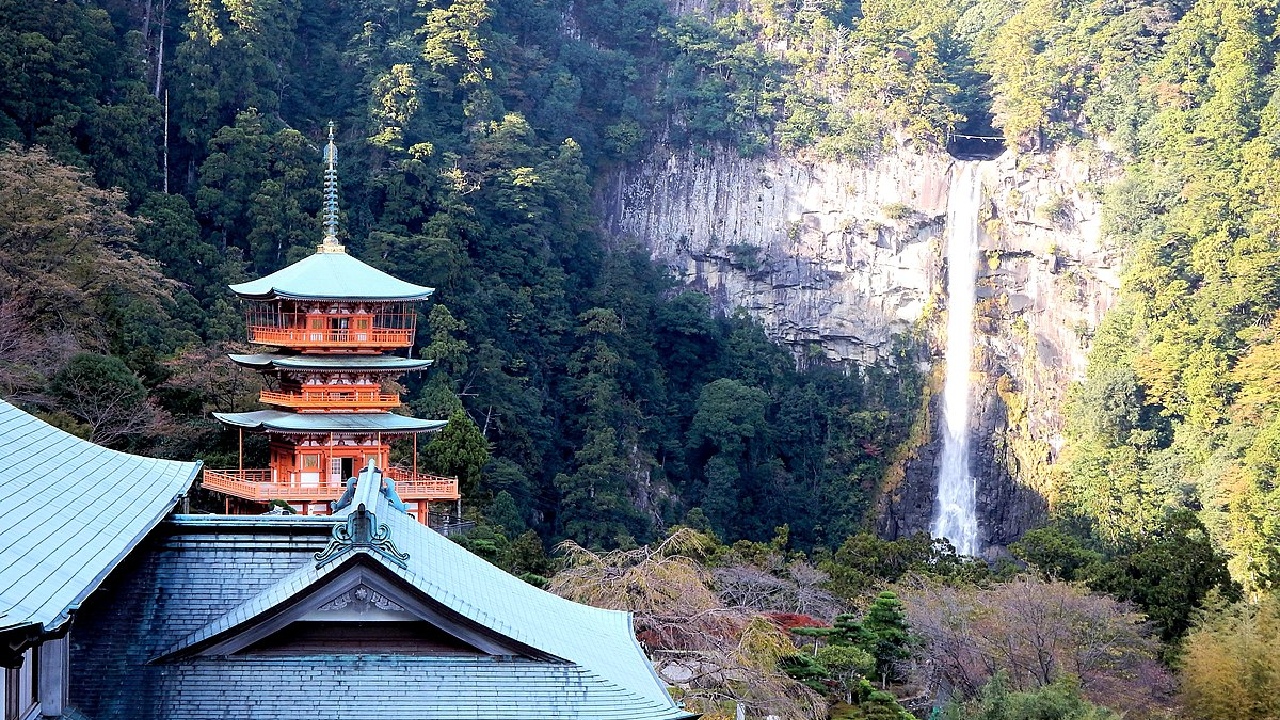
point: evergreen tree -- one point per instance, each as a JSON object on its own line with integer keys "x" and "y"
{"x": 458, "y": 450}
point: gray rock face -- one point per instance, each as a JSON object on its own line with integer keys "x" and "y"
{"x": 841, "y": 258}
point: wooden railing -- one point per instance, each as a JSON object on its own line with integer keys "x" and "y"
{"x": 421, "y": 486}
{"x": 306, "y": 338}
{"x": 257, "y": 485}
{"x": 332, "y": 399}
{"x": 250, "y": 484}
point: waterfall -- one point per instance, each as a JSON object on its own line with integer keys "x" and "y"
{"x": 956, "y": 518}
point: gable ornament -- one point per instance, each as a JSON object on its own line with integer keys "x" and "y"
{"x": 361, "y": 531}
{"x": 362, "y": 598}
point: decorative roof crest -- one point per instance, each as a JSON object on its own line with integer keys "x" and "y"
{"x": 330, "y": 214}
{"x": 361, "y": 531}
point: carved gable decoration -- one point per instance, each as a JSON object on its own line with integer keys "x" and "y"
{"x": 359, "y": 599}
{"x": 362, "y": 609}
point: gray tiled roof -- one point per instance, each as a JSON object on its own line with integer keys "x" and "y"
{"x": 328, "y": 422}
{"x": 336, "y": 276}
{"x": 383, "y": 687}
{"x": 69, "y": 513}
{"x": 601, "y": 642}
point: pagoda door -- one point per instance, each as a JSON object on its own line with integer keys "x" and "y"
{"x": 310, "y": 476}
{"x": 338, "y": 329}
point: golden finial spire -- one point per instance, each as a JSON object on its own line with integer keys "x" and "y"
{"x": 330, "y": 243}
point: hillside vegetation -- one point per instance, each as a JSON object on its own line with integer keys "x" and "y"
{"x": 605, "y": 403}
{"x": 157, "y": 150}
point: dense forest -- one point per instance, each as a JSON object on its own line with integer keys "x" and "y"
{"x": 604, "y": 403}
{"x": 158, "y": 150}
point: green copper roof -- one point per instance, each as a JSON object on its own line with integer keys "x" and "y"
{"x": 330, "y": 276}
{"x": 602, "y": 670}
{"x": 69, "y": 512}
{"x": 328, "y": 422}
{"x": 263, "y": 361}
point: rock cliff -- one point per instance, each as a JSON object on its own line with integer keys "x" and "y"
{"x": 842, "y": 259}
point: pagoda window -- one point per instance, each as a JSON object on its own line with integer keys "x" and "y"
{"x": 263, "y": 314}
{"x": 341, "y": 468}
{"x": 311, "y": 463}
{"x": 395, "y": 316}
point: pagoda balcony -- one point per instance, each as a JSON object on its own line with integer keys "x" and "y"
{"x": 336, "y": 339}
{"x": 318, "y": 400}
{"x": 421, "y": 486}
{"x": 259, "y": 486}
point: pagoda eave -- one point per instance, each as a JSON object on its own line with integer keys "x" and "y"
{"x": 330, "y": 362}
{"x": 367, "y": 422}
{"x": 330, "y": 277}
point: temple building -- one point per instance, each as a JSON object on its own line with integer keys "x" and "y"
{"x": 118, "y": 603}
{"x": 330, "y": 324}
{"x": 112, "y": 606}
{"x": 71, "y": 514}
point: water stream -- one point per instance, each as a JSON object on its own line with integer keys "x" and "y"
{"x": 955, "y": 517}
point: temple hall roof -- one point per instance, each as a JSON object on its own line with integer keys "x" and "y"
{"x": 238, "y": 590}
{"x": 368, "y": 363}
{"x": 70, "y": 511}
{"x": 610, "y": 666}
{"x": 328, "y": 422}
{"x": 331, "y": 276}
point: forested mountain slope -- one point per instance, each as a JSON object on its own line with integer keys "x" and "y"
{"x": 473, "y": 133}
{"x": 610, "y": 403}
{"x": 157, "y": 150}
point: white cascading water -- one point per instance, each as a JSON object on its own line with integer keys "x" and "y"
{"x": 956, "y": 518}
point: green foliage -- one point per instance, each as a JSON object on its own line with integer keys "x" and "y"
{"x": 1168, "y": 573}
{"x": 865, "y": 561}
{"x": 886, "y": 624}
{"x": 855, "y": 650}
{"x": 1229, "y": 667}
{"x": 1176, "y": 410}
{"x": 458, "y": 450}
{"x": 472, "y": 134}
{"x": 722, "y": 84}
{"x": 1060, "y": 700}
{"x": 504, "y": 514}
{"x": 846, "y": 660}
{"x": 806, "y": 668}
{"x": 260, "y": 190}
{"x": 103, "y": 393}
{"x": 1056, "y": 553}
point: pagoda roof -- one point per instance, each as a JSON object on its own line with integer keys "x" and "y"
{"x": 70, "y": 511}
{"x": 568, "y": 660}
{"x": 262, "y": 361}
{"x": 279, "y": 421}
{"x": 330, "y": 276}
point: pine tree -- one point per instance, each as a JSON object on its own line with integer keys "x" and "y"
{"x": 459, "y": 450}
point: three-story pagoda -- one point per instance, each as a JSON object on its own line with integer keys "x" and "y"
{"x": 331, "y": 323}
